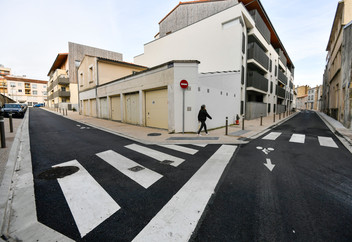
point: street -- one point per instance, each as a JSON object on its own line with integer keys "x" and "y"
{"x": 291, "y": 183}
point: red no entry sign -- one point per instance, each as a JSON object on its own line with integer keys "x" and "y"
{"x": 184, "y": 84}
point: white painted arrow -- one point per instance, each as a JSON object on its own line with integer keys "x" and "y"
{"x": 269, "y": 165}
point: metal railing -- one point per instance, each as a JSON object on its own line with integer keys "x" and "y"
{"x": 258, "y": 54}
{"x": 258, "y": 81}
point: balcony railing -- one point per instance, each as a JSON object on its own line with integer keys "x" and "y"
{"x": 63, "y": 93}
{"x": 280, "y": 92}
{"x": 61, "y": 79}
{"x": 260, "y": 24}
{"x": 282, "y": 56}
{"x": 282, "y": 77}
{"x": 256, "y": 53}
{"x": 258, "y": 81}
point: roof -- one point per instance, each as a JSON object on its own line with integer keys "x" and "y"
{"x": 22, "y": 79}
{"x": 59, "y": 61}
{"x": 249, "y": 5}
{"x": 337, "y": 14}
{"x": 121, "y": 62}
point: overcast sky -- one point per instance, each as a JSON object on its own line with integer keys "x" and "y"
{"x": 35, "y": 31}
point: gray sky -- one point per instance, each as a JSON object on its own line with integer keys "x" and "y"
{"x": 35, "y": 31}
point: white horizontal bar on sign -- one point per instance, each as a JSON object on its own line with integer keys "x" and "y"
{"x": 89, "y": 203}
{"x": 177, "y": 220}
{"x": 272, "y": 136}
{"x": 181, "y": 149}
{"x": 155, "y": 154}
{"x": 144, "y": 177}
{"x": 327, "y": 142}
{"x": 298, "y": 138}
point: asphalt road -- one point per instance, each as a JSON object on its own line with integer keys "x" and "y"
{"x": 294, "y": 183}
{"x": 306, "y": 197}
{"x": 56, "y": 140}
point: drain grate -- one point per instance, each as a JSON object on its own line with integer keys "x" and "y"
{"x": 166, "y": 162}
{"x": 58, "y": 172}
{"x": 136, "y": 168}
{"x": 154, "y": 134}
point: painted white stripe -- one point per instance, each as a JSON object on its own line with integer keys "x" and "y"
{"x": 298, "y": 138}
{"x": 89, "y": 203}
{"x": 272, "y": 135}
{"x": 200, "y": 145}
{"x": 155, "y": 154}
{"x": 177, "y": 220}
{"x": 181, "y": 149}
{"x": 327, "y": 141}
{"x": 144, "y": 177}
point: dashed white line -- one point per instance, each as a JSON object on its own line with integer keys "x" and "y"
{"x": 181, "y": 149}
{"x": 272, "y": 136}
{"x": 327, "y": 142}
{"x": 298, "y": 138}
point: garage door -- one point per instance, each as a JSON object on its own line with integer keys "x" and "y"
{"x": 104, "y": 112}
{"x": 157, "y": 109}
{"x": 93, "y": 107}
{"x": 115, "y": 108}
{"x": 85, "y": 107}
{"x": 132, "y": 108}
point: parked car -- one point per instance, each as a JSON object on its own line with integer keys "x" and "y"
{"x": 16, "y": 109}
{"x": 39, "y": 105}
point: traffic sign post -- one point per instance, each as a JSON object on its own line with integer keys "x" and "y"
{"x": 183, "y": 85}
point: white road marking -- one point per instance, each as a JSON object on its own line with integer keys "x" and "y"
{"x": 177, "y": 220}
{"x": 181, "y": 149}
{"x": 89, "y": 203}
{"x": 269, "y": 165}
{"x": 144, "y": 177}
{"x": 327, "y": 141}
{"x": 272, "y": 136}
{"x": 200, "y": 145}
{"x": 155, "y": 154}
{"x": 298, "y": 138}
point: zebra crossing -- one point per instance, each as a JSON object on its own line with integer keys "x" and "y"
{"x": 90, "y": 204}
{"x": 300, "y": 138}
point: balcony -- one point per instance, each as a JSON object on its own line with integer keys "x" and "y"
{"x": 282, "y": 77}
{"x": 63, "y": 93}
{"x": 260, "y": 25}
{"x": 61, "y": 79}
{"x": 257, "y": 81}
{"x": 280, "y": 92}
{"x": 258, "y": 54}
{"x": 282, "y": 57}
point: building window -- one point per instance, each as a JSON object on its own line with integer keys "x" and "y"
{"x": 268, "y": 107}
{"x": 44, "y": 86}
{"x": 63, "y": 89}
{"x": 242, "y": 76}
{"x": 35, "y": 92}
{"x": 19, "y": 90}
{"x": 19, "y": 84}
{"x": 28, "y": 92}
{"x": 44, "y": 93}
{"x": 34, "y": 86}
{"x": 243, "y": 43}
{"x": 270, "y": 65}
{"x": 12, "y": 84}
{"x": 271, "y": 87}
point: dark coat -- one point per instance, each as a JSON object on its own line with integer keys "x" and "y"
{"x": 202, "y": 115}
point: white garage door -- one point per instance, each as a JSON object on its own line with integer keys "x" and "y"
{"x": 157, "y": 108}
{"x": 132, "y": 108}
{"x": 115, "y": 108}
{"x": 104, "y": 112}
{"x": 93, "y": 107}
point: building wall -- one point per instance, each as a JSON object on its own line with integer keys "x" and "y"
{"x": 346, "y": 70}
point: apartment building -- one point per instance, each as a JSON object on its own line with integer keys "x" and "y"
{"x": 63, "y": 86}
{"x": 336, "y": 85}
{"x": 228, "y": 36}
{"x": 311, "y": 98}
{"x": 25, "y": 90}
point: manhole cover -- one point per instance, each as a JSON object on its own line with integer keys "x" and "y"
{"x": 154, "y": 134}
{"x": 58, "y": 172}
{"x": 136, "y": 168}
{"x": 167, "y": 162}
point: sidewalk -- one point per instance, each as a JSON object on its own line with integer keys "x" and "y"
{"x": 158, "y": 136}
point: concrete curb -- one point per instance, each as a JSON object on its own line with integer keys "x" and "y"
{"x": 6, "y": 184}
{"x": 347, "y": 142}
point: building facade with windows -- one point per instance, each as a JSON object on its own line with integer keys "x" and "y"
{"x": 63, "y": 89}
{"x": 24, "y": 90}
{"x": 336, "y": 98}
{"x": 229, "y": 36}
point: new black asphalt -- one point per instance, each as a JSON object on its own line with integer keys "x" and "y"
{"x": 306, "y": 197}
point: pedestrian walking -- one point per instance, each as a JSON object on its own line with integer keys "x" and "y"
{"x": 202, "y": 116}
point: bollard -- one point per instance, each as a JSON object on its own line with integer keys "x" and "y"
{"x": 261, "y": 120}
{"x": 243, "y": 122}
{"x": 66, "y": 111}
{"x": 226, "y": 126}
{"x": 11, "y": 123}
{"x": 279, "y": 116}
{"x": 284, "y": 115}
{"x": 274, "y": 117}
{"x": 2, "y": 132}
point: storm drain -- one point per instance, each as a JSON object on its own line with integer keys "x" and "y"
{"x": 154, "y": 134}
{"x": 136, "y": 168}
{"x": 166, "y": 162}
{"x": 58, "y": 172}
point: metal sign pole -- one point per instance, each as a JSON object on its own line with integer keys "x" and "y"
{"x": 183, "y": 112}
